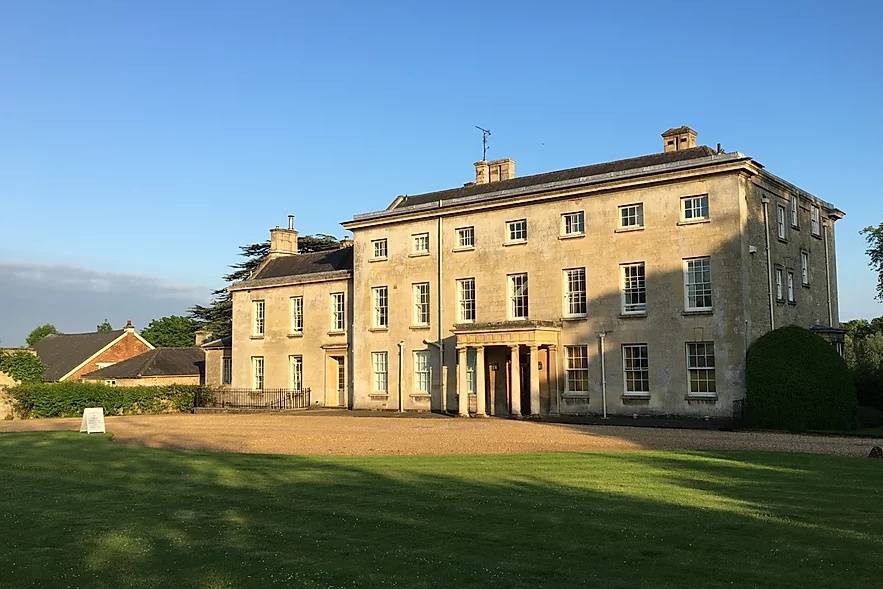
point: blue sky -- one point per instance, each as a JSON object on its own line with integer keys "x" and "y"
{"x": 148, "y": 140}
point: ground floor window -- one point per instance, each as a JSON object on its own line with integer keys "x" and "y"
{"x": 422, "y": 371}
{"x": 700, "y": 368}
{"x": 577, "y": 378}
{"x": 380, "y": 364}
{"x": 226, "y": 370}
{"x": 296, "y": 365}
{"x": 257, "y": 371}
{"x": 636, "y": 369}
{"x": 470, "y": 371}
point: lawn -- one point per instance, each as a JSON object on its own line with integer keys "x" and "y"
{"x": 77, "y": 510}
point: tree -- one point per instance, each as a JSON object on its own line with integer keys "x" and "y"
{"x": 22, "y": 366}
{"x": 874, "y": 237}
{"x": 864, "y": 356}
{"x": 173, "y": 331}
{"x": 39, "y": 333}
{"x": 217, "y": 317}
{"x": 104, "y": 326}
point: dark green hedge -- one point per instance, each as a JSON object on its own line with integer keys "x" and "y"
{"x": 68, "y": 399}
{"x": 798, "y": 381}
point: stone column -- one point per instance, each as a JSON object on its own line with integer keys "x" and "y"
{"x": 534, "y": 380}
{"x": 462, "y": 385}
{"x": 514, "y": 382}
{"x": 480, "y": 391}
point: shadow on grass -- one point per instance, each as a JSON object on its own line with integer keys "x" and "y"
{"x": 77, "y": 510}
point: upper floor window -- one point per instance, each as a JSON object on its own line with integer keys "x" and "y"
{"x": 226, "y": 370}
{"x": 700, "y": 368}
{"x": 380, "y": 296}
{"x": 634, "y": 288}
{"x": 380, "y": 251}
{"x": 577, "y": 369}
{"x": 573, "y": 224}
{"x": 575, "y": 292}
{"x": 790, "y": 284}
{"x": 636, "y": 369}
{"x": 631, "y": 216}
{"x": 338, "y": 312}
{"x": 420, "y": 243}
{"x": 804, "y": 268}
{"x": 297, "y": 314}
{"x": 516, "y": 231}
{"x": 780, "y": 279}
{"x": 466, "y": 299}
{"x": 697, "y": 284}
{"x": 421, "y": 303}
{"x": 257, "y": 372}
{"x": 422, "y": 371}
{"x": 465, "y": 237}
{"x": 296, "y": 368}
{"x": 258, "y": 317}
{"x": 380, "y": 365}
{"x": 518, "y": 302}
{"x": 794, "y": 218}
{"x": 694, "y": 208}
{"x": 815, "y": 220}
{"x": 780, "y": 221}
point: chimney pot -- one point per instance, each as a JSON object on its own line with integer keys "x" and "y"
{"x": 283, "y": 242}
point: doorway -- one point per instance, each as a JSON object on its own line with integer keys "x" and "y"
{"x": 335, "y": 381}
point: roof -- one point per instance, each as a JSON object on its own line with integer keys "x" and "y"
{"x": 312, "y": 263}
{"x": 223, "y": 342}
{"x": 678, "y": 131}
{"x": 62, "y": 352}
{"x": 643, "y": 161}
{"x": 157, "y": 362}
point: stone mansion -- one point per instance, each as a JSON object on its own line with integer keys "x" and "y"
{"x": 628, "y": 287}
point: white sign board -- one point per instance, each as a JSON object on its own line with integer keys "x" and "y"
{"x": 93, "y": 420}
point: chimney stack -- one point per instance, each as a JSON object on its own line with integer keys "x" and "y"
{"x": 129, "y": 328}
{"x": 678, "y": 139}
{"x": 283, "y": 242}
{"x": 202, "y": 336}
{"x": 494, "y": 171}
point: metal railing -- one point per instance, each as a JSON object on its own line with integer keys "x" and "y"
{"x": 266, "y": 399}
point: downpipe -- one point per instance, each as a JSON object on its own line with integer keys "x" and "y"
{"x": 601, "y": 336}
{"x": 769, "y": 261}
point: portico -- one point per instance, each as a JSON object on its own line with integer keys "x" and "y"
{"x": 508, "y": 368}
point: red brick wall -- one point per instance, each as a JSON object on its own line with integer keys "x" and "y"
{"x": 123, "y": 349}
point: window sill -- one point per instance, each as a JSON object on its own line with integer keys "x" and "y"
{"x": 574, "y": 236}
{"x": 377, "y": 259}
{"x": 421, "y": 396}
{"x": 296, "y": 334}
{"x": 701, "y": 398}
{"x": 378, "y": 329}
{"x": 628, "y": 229}
{"x": 378, "y": 395}
{"x": 418, "y": 255}
{"x": 574, "y": 317}
{"x": 683, "y": 222}
{"x": 780, "y": 301}
{"x": 465, "y": 248}
{"x": 691, "y": 312}
{"x": 792, "y": 303}
{"x": 805, "y": 285}
{"x": 337, "y": 332}
{"x": 641, "y": 315}
{"x": 575, "y": 395}
{"x": 816, "y": 235}
{"x": 419, "y": 326}
{"x": 636, "y": 396}
{"x": 256, "y": 337}
{"x": 511, "y": 243}
{"x": 781, "y": 239}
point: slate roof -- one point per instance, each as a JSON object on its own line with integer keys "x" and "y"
{"x": 157, "y": 362}
{"x": 643, "y": 161}
{"x": 62, "y": 352}
{"x": 316, "y": 262}
{"x": 223, "y": 342}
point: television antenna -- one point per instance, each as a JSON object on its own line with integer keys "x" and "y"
{"x": 485, "y": 133}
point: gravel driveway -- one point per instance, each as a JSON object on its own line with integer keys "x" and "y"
{"x": 346, "y": 434}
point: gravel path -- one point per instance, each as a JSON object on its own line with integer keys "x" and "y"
{"x": 344, "y": 434}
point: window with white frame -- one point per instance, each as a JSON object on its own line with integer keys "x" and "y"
{"x": 804, "y": 267}
{"x": 465, "y": 237}
{"x": 338, "y": 312}
{"x": 634, "y": 288}
{"x": 780, "y": 279}
{"x": 380, "y": 300}
{"x": 422, "y": 372}
{"x": 297, "y": 314}
{"x": 700, "y": 368}
{"x": 794, "y": 206}
{"x": 575, "y": 292}
{"x": 226, "y": 370}
{"x": 380, "y": 249}
{"x": 573, "y": 224}
{"x": 296, "y": 372}
{"x": 697, "y": 284}
{"x": 380, "y": 365}
{"x": 636, "y": 369}
{"x": 815, "y": 220}
{"x": 516, "y": 231}
{"x": 421, "y": 303}
{"x": 518, "y": 301}
{"x": 470, "y": 370}
{"x": 631, "y": 216}
{"x": 420, "y": 244}
{"x": 789, "y": 280}
{"x": 466, "y": 299}
{"x": 577, "y": 369}
{"x": 694, "y": 208}
{"x": 258, "y": 317}
{"x": 780, "y": 221}
{"x": 257, "y": 372}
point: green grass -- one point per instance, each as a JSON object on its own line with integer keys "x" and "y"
{"x": 83, "y": 511}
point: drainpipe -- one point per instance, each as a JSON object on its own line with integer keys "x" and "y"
{"x": 601, "y": 337}
{"x": 441, "y": 345}
{"x": 401, "y": 345}
{"x": 769, "y": 261}
{"x": 827, "y": 272}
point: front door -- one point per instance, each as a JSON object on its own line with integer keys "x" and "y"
{"x": 335, "y": 381}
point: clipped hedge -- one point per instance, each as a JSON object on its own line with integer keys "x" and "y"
{"x": 797, "y": 381}
{"x": 68, "y": 399}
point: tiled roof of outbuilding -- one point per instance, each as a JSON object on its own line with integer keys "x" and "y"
{"x": 62, "y": 352}
{"x": 158, "y": 362}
